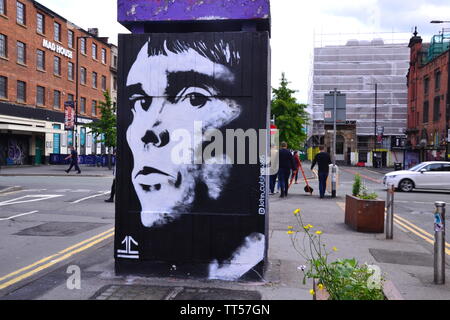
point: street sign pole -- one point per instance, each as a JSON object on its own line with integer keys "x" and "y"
{"x": 333, "y": 172}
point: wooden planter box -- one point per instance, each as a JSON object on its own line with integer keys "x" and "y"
{"x": 389, "y": 290}
{"x": 364, "y": 215}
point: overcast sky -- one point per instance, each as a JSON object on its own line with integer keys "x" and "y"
{"x": 296, "y": 26}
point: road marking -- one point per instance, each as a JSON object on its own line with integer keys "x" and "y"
{"x": 362, "y": 175}
{"x": 31, "y": 198}
{"x": 63, "y": 255}
{"x": 406, "y": 224}
{"x": 90, "y": 197}
{"x": 18, "y": 215}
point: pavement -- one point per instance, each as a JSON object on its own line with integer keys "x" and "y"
{"x": 407, "y": 262}
{"x": 55, "y": 171}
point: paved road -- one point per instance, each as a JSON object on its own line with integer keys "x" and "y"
{"x": 50, "y": 215}
{"x": 414, "y": 210}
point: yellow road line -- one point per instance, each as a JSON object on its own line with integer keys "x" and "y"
{"x": 54, "y": 255}
{"x": 418, "y": 229}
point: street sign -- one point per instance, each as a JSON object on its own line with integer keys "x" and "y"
{"x": 341, "y": 107}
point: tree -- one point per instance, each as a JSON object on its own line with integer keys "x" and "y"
{"x": 291, "y": 117}
{"x": 105, "y": 129}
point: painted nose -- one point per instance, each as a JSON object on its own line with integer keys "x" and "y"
{"x": 158, "y": 140}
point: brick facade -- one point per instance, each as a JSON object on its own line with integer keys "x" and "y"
{"x": 58, "y": 48}
{"x": 428, "y": 101}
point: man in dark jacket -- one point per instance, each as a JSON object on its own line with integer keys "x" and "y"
{"x": 286, "y": 164}
{"x": 73, "y": 160}
{"x": 323, "y": 160}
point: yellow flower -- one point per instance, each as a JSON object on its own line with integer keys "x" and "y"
{"x": 290, "y": 227}
{"x": 290, "y": 232}
{"x": 312, "y": 292}
{"x": 297, "y": 211}
{"x": 307, "y": 227}
{"x": 335, "y": 249}
{"x": 319, "y": 232}
{"x": 320, "y": 286}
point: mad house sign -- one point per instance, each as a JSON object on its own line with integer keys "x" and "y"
{"x": 191, "y": 198}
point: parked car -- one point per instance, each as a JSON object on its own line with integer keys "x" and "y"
{"x": 426, "y": 175}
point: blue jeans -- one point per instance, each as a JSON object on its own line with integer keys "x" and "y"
{"x": 322, "y": 183}
{"x": 272, "y": 182}
{"x": 283, "y": 176}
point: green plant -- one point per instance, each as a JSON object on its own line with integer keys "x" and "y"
{"x": 365, "y": 195}
{"x": 344, "y": 279}
{"x": 356, "y": 185}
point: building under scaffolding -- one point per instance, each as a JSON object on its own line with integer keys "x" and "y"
{"x": 371, "y": 73}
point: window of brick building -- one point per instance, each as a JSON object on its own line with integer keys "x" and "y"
{"x": 70, "y": 97}
{"x": 21, "y": 13}
{"x": 56, "y": 99}
{"x": 94, "y": 51}
{"x": 103, "y": 83}
{"x": 94, "y": 107}
{"x": 40, "y": 59}
{"x": 426, "y": 85}
{"x": 437, "y": 80}
{"x": 83, "y": 45}
{"x": 21, "y": 52}
{"x": 70, "y": 69}
{"x": 3, "y": 46}
{"x": 436, "y": 109}
{"x": 21, "y": 91}
{"x": 103, "y": 55}
{"x": 40, "y": 96}
{"x": 83, "y": 105}
{"x": 426, "y": 111}
{"x": 57, "y": 31}
{"x": 40, "y": 23}
{"x": 2, "y": 7}
{"x": 3, "y": 87}
{"x": 70, "y": 38}
{"x": 57, "y": 65}
{"x": 83, "y": 75}
{"x": 94, "y": 80}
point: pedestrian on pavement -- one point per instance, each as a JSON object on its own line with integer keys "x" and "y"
{"x": 113, "y": 187}
{"x": 297, "y": 165}
{"x": 286, "y": 164}
{"x": 323, "y": 160}
{"x": 273, "y": 169}
{"x": 73, "y": 160}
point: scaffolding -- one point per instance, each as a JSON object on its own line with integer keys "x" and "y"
{"x": 439, "y": 44}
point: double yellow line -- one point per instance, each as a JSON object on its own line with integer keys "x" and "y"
{"x": 418, "y": 231}
{"x": 32, "y": 269}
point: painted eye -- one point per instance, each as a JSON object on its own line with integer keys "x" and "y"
{"x": 144, "y": 101}
{"x": 197, "y": 99}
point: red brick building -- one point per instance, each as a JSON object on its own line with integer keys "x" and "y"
{"x": 429, "y": 97}
{"x": 38, "y": 74}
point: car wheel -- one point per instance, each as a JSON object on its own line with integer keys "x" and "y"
{"x": 406, "y": 185}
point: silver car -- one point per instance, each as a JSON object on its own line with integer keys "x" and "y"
{"x": 426, "y": 175}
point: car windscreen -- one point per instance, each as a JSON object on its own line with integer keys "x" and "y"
{"x": 417, "y": 167}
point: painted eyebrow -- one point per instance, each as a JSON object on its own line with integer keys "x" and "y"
{"x": 177, "y": 81}
{"x": 135, "y": 89}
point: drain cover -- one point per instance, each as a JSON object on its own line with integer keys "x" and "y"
{"x": 59, "y": 229}
{"x": 141, "y": 292}
{"x": 402, "y": 257}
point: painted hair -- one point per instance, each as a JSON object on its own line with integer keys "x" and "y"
{"x": 222, "y": 51}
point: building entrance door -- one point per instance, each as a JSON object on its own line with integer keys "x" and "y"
{"x": 39, "y": 150}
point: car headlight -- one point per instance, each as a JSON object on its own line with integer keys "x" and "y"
{"x": 390, "y": 177}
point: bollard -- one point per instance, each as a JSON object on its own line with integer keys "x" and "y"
{"x": 390, "y": 212}
{"x": 333, "y": 181}
{"x": 439, "y": 243}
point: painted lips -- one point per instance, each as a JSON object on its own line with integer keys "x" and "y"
{"x": 150, "y": 171}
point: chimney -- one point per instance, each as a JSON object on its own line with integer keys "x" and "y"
{"x": 93, "y": 31}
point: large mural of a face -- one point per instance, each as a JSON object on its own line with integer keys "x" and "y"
{"x": 175, "y": 88}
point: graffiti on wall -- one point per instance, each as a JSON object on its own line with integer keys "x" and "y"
{"x": 14, "y": 150}
{"x": 186, "y": 208}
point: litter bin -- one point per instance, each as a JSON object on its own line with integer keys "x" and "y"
{"x": 329, "y": 179}
{"x": 398, "y": 166}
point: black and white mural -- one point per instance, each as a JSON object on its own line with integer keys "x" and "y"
{"x": 191, "y": 195}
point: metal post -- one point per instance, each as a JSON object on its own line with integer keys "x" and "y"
{"x": 439, "y": 243}
{"x": 76, "y": 92}
{"x": 333, "y": 171}
{"x": 390, "y": 212}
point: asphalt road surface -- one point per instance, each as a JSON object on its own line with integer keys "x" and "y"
{"x": 50, "y": 220}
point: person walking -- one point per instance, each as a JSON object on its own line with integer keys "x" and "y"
{"x": 73, "y": 160}
{"x": 113, "y": 187}
{"x": 274, "y": 169}
{"x": 286, "y": 164}
{"x": 297, "y": 165}
{"x": 323, "y": 160}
